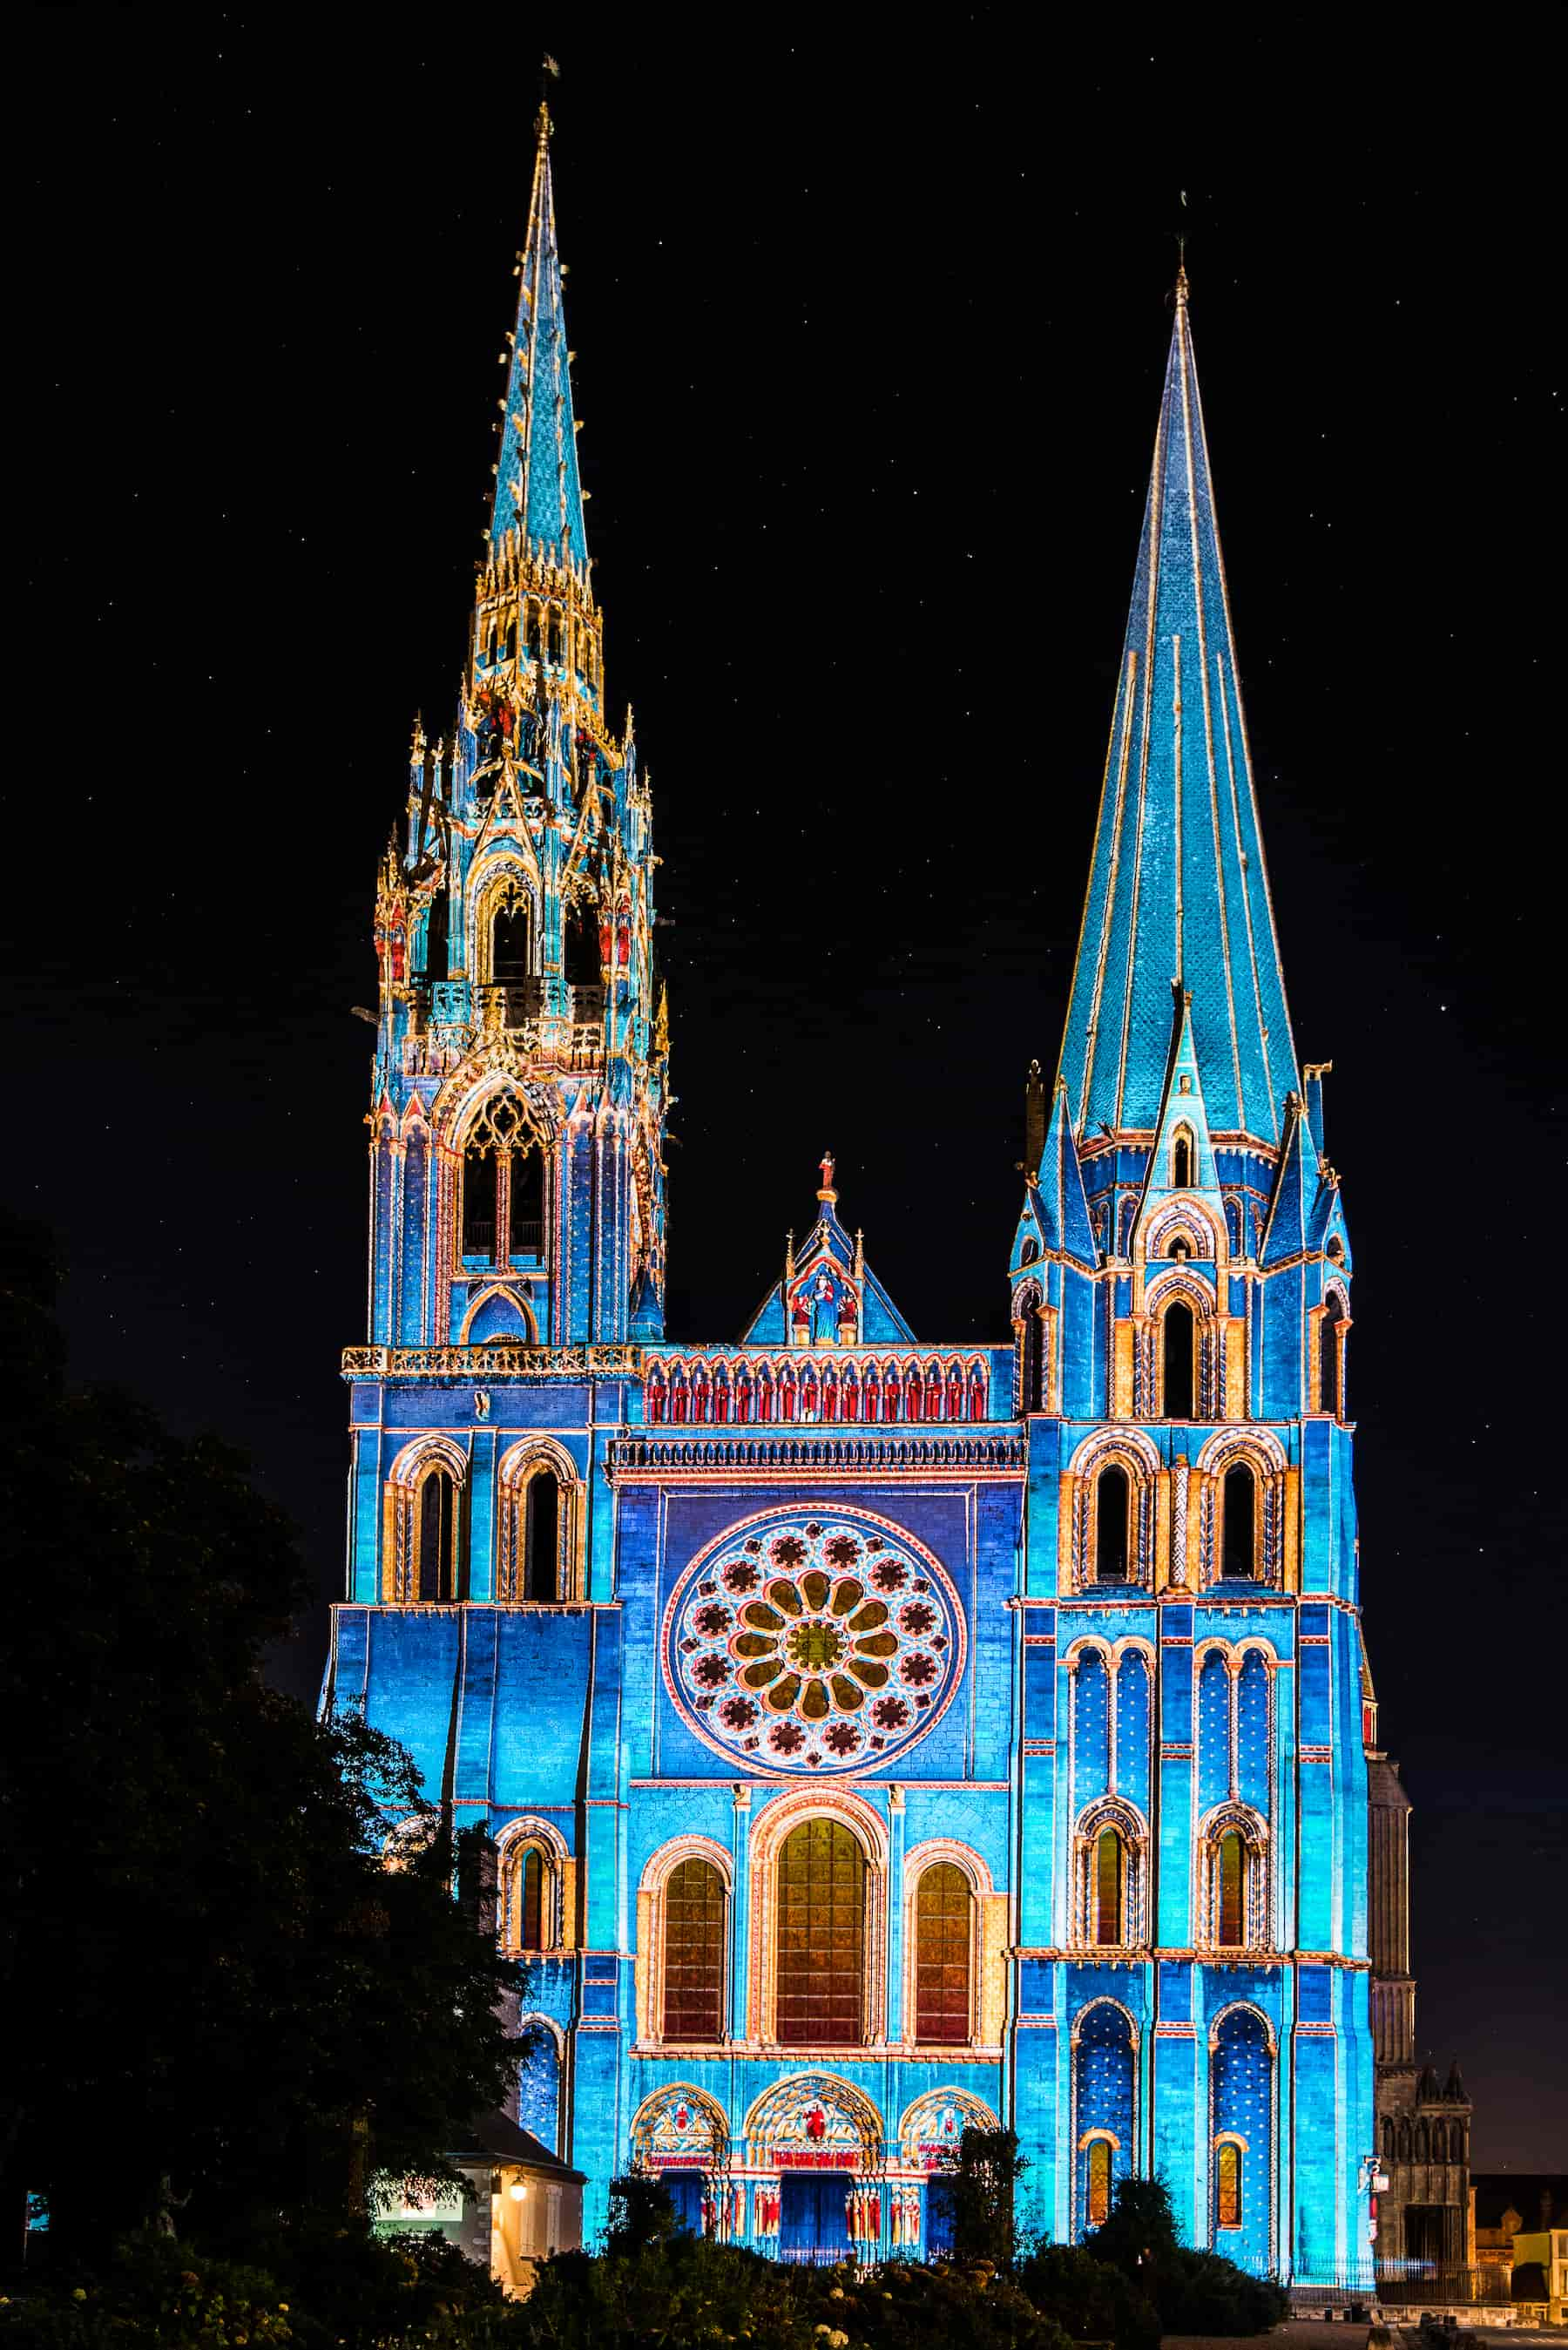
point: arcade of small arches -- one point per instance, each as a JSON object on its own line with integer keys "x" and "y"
{"x": 1420, "y": 2139}
{"x": 429, "y": 1534}
{"x": 1225, "y": 1511}
{"x": 763, "y": 1387}
{"x": 813, "y": 2173}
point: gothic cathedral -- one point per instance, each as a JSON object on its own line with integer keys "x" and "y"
{"x": 878, "y": 1736}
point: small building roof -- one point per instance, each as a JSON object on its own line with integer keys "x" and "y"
{"x": 493, "y": 2138}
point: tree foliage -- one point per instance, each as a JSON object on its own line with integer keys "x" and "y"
{"x": 221, "y": 2001}
{"x": 982, "y": 2184}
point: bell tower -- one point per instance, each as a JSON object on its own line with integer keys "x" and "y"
{"x": 520, "y": 1079}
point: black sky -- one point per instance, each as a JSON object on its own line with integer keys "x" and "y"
{"x": 869, "y": 341}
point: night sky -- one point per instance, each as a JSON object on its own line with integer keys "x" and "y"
{"x": 870, "y": 345}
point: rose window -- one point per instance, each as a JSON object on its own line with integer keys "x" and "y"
{"x": 814, "y": 1645}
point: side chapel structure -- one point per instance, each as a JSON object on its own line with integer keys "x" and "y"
{"x": 879, "y": 1735}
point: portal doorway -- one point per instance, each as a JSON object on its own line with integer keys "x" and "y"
{"x": 687, "y": 2192}
{"x": 814, "y": 2218}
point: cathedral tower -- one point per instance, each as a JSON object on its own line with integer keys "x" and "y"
{"x": 879, "y": 1735}
{"x": 1195, "y": 1816}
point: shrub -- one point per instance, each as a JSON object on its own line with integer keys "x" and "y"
{"x": 1204, "y": 2292}
{"x": 1089, "y": 2298}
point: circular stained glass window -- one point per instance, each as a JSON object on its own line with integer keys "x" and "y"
{"x": 814, "y": 1645}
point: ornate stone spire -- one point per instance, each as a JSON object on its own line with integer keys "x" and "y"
{"x": 1178, "y": 890}
{"x": 537, "y": 492}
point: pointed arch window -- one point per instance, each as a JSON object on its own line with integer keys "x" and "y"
{"x": 1239, "y": 1523}
{"x": 436, "y": 937}
{"x": 1181, "y": 1161}
{"x": 943, "y": 1939}
{"x": 531, "y": 1901}
{"x": 525, "y": 1202}
{"x": 820, "y": 1976}
{"x": 1230, "y": 1891}
{"x": 511, "y": 934}
{"x": 1178, "y": 1361}
{"x": 1113, "y": 1524}
{"x": 1031, "y": 1353}
{"x": 503, "y": 1216}
{"x": 1099, "y": 2197}
{"x": 535, "y": 1905}
{"x": 541, "y": 1535}
{"x": 583, "y": 968}
{"x": 436, "y": 1537}
{"x": 1110, "y": 1889}
{"x": 694, "y": 1941}
{"x": 1328, "y": 1356}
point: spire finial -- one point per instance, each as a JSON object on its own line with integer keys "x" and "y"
{"x": 1181, "y": 285}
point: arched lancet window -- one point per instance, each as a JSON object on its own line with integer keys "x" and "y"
{"x": 694, "y": 1941}
{"x": 436, "y": 937}
{"x": 1440, "y": 2143}
{"x": 1099, "y": 2197}
{"x": 510, "y": 933}
{"x": 583, "y": 968}
{"x": 1178, "y": 1347}
{"x": 1239, "y": 1523}
{"x": 1110, "y": 1888}
{"x": 437, "y": 1536}
{"x": 821, "y": 1966}
{"x": 541, "y": 1535}
{"x": 479, "y": 1190}
{"x": 1112, "y": 1522}
{"x": 1031, "y": 1353}
{"x": 1328, "y": 1356}
{"x": 1228, "y": 2184}
{"x": 1181, "y": 1161}
{"x": 1389, "y": 2140}
{"x": 531, "y": 1901}
{"x": 525, "y": 1211}
{"x": 1230, "y": 1891}
{"x": 944, "y": 1932}
{"x": 1030, "y": 1251}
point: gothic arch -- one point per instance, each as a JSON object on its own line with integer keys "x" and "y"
{"x": 515, "y": 1472}
{"x": 487, "y": 888}
{"x": 1128, "y": 1450}
{"x": 651, "y": 1923}
{"x": 1258, "y": 1450}
{"x": 775, "y": 1823}
{"x": 544, "y": 2071}
{"x": 936, "y": 2121}
{"x": 680, "y": 2126}
{"x": 1237, "y": 1819}
{"x": 1186, "y": 1219}
{"x": 1177, "y": 1285}
{"x": 937, "y": 1852}
{"x": 549, "y": 1893}
{"x": 503, "y": 1293}
{"x": 1110, "y": 1815}
{"x": 402, "y": 1531}
{"x": 1032, "y": 1334}
{"x": 850, "y": 2122}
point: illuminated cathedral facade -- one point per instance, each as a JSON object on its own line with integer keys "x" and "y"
{"x": 878, "y": 1736}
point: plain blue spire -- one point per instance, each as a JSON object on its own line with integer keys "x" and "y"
{"x": 1178, "y": 890}
{"x": 537, "y": 492}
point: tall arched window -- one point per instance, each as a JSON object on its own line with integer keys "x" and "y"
{"x": 525, "y": 1202}
{"x": 1228, "y": 2184}
{"x": 509, "y": 935}
{"x": 531, "y": 1901}
{"x": 1181, "y": 1161}
{"x": 583, "y": 968}
{"x": 1031, "y": 1353}
{"x": 1230, "y": 1892}
{"x": 694, "y": 1952}
{"x": 1113, "y": 1519}
{"x": 1239, "y": 1523}
{"x": 820, "y": 1975}
{"x": 1328, "y": 1357}
{"x": 479, "y": 1202}
{"x": 437, "y": 1536}
{"x": 436, "y": 937}
{"x": 1110, "y": 1889}
{"x": 1178, "y": 1342}
{"x": 1099, "y": 2197}
{"x": 942, "y": 1941}
{"x": 541, "y": 1535}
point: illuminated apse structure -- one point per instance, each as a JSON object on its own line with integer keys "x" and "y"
{"x": 879, "y": 1736}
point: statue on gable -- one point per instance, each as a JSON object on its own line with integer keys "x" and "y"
{"x": 826, "y": 1291}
